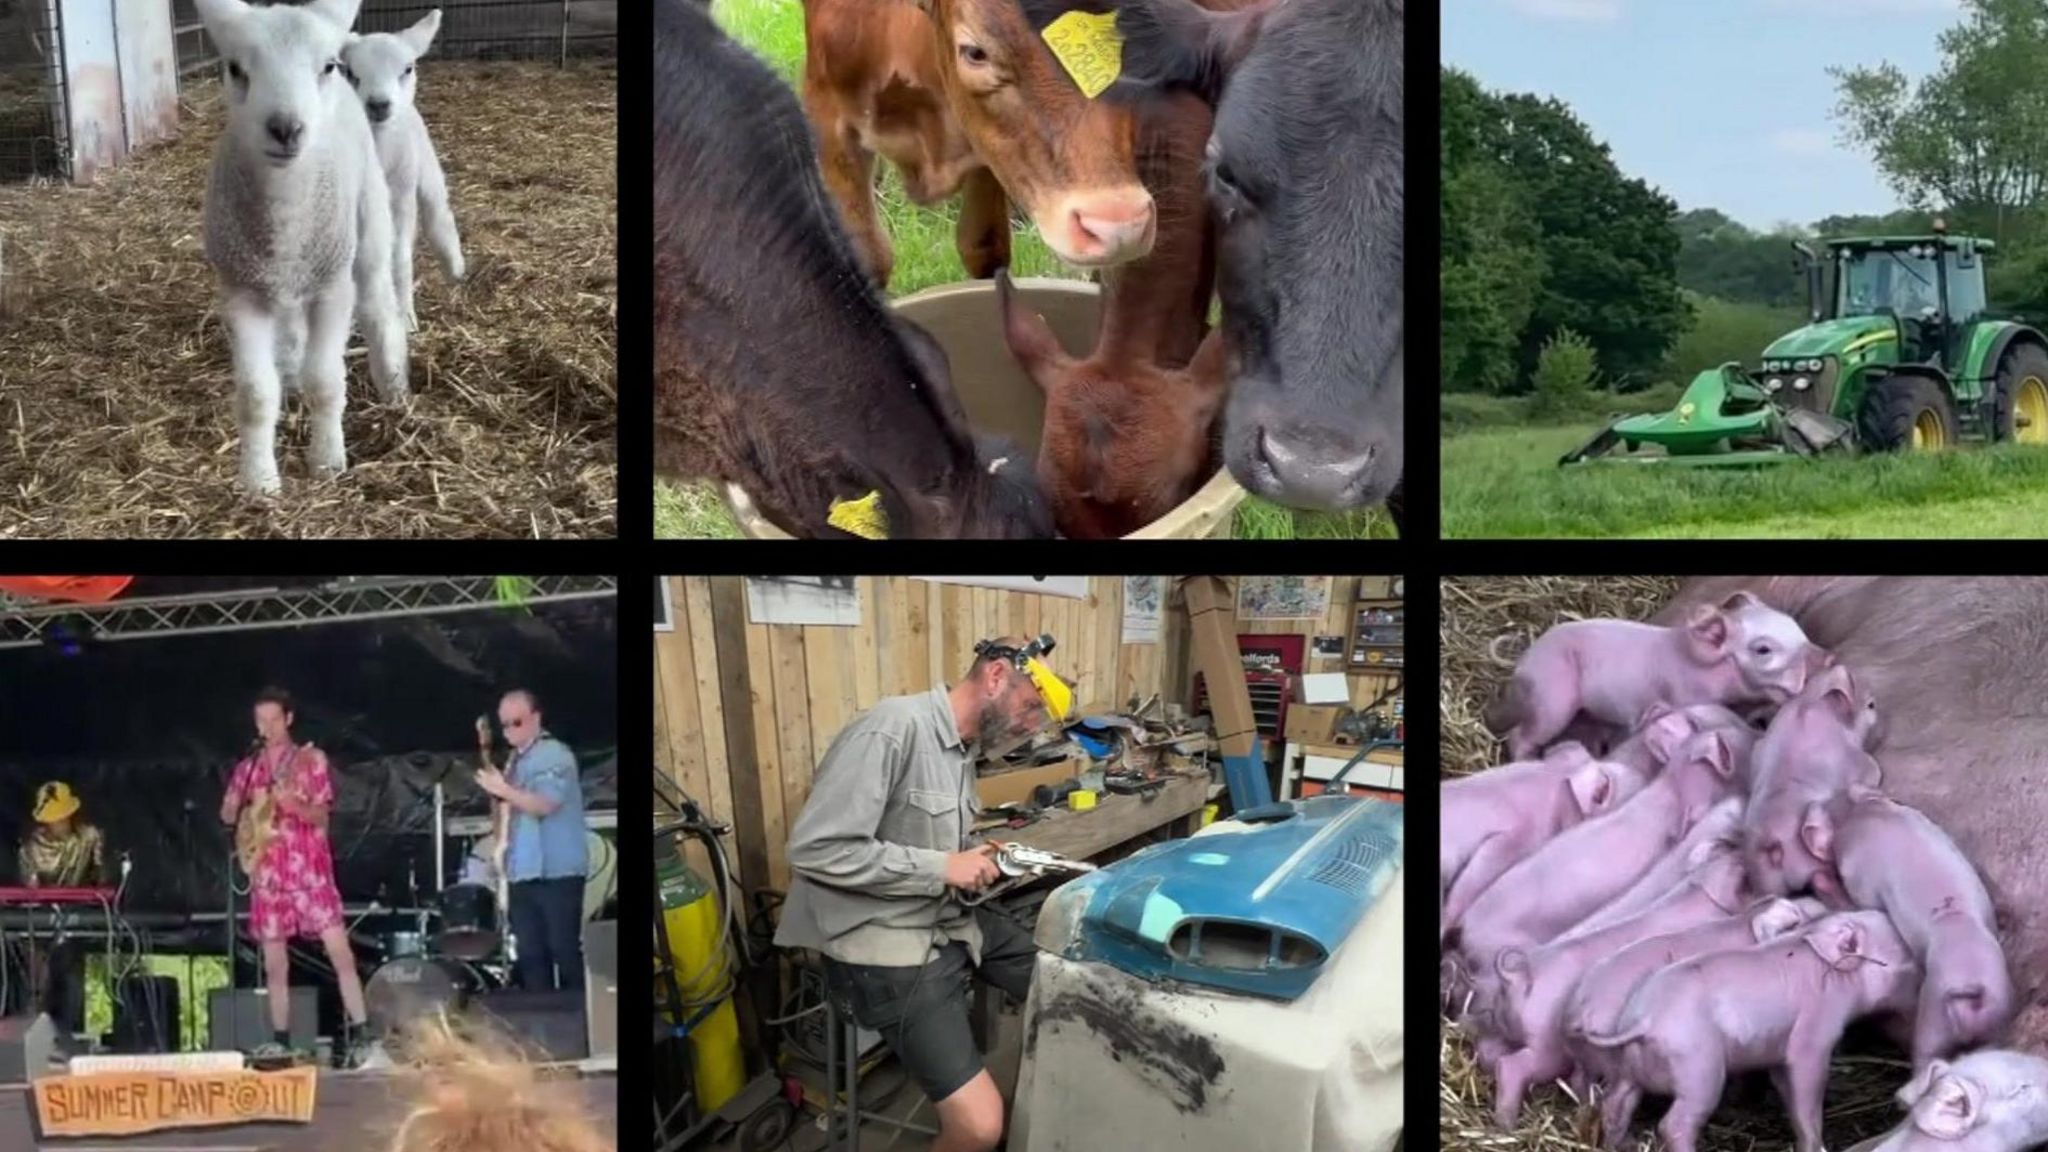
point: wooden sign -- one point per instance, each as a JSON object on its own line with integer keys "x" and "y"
{"x": 124, "y": 1103}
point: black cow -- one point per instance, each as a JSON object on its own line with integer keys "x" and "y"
{"x": 778, "y": 366}
{"x": 1304, "y": 169}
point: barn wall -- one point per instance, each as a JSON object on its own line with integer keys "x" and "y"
{"x": 743, "y": 710}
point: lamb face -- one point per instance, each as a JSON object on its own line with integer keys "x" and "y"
{"x": 284, "y": 68}
{"x": 381, "y": 66}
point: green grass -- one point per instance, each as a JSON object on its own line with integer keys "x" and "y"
{"x": 1506, "y": 483}
{"x": 925, "y": 256}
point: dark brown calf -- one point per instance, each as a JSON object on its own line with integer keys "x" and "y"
{"x": 1130, "y": 429}
{"x": 778, "y": 366}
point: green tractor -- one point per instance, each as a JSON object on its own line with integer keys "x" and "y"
{"x": 1903, "y": 358}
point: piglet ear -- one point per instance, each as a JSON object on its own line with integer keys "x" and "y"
{"x": 1566, "y": 754}
{"x": 1714, "y": 752}
{"x": 1665, "y": 733}
{"x": 1839, "y": 944}
{"x": 1910, "y": 1093}
{"x": 1592, "y": 787}
{"x": 1950, "y": 1109}
{"x": 1817, "y": 833}
{"x": 1739, "y": 601}
{"x": 1708, "y": 629}
{"x": 1777, "y": 918}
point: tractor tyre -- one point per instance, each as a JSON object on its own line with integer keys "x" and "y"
{"x": 2019, "y": 397}
{"x": 1907, "y": 414}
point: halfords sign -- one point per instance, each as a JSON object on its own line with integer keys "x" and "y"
{"x": 123, "y": 1103}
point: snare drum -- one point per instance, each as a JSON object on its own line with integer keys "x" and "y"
{"x": 469, "y": 922}
{"x": 398, "y": 945}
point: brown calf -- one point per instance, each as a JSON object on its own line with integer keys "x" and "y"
{"x": 1129, "y": 430}
{"x": 962, "y": 96}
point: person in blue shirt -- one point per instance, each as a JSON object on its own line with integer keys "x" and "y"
{"x": 546, "y": 856}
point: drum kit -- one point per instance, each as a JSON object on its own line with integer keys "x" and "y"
{"x": 469, "y": 950}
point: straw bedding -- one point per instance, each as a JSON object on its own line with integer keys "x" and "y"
{"x": 115, "y": 384}
{"x": 1477, "y": 612}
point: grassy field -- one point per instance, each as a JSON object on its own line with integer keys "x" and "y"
{"x": 1504, "y": 482}
{"x": 925, "y": 256}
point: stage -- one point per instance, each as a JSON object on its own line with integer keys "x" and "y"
{"x": 352, "y": 1111}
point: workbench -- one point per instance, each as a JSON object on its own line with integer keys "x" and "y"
{"x": 1114, "y": 820}
{"x": 1381, "y": 771}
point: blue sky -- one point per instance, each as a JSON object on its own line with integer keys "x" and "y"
{"x": 1721, "y": 105}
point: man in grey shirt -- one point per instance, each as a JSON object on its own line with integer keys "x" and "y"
{"x": 878, "y": 854}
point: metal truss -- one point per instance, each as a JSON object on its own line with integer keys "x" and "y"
{"x": 347, "y": 599}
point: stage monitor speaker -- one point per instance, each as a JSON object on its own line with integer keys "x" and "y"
{"x": 146, "y": 1018}
{"x": 550, "y": 1021}
{"x": 601, "y": 985}
{"x": 238, "y": 1019}
{"x": 27, "y": 1044}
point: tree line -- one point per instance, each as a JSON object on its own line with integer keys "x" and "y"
{"x": 1545, "y": 238}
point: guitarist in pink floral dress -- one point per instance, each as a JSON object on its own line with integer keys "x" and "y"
{"x": 292, "y": 891}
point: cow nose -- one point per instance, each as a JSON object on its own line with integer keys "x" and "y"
{"x": 379, "y": 110}
{"x": 286, "y": 130}
{"x": 1306, "y": 474}
{"x": 1112, "y": 227}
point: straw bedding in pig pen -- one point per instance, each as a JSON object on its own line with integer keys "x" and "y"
{"x": 1477, "y": 612}
{"x": 115, "y": 382}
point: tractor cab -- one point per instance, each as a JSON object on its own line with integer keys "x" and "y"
{"x": 1929, "y": 289}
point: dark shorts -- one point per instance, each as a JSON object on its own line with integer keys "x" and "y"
{"x": 921, "y": 1013}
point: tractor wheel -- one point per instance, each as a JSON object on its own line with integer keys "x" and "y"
{"x": 1907, "y": 414}
{"x": 2020, "y": 396}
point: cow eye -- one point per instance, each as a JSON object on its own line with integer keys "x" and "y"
{"x": 974, "y": 54}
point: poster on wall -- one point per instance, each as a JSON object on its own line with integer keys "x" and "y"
{"x": 828, "y": 601}
{"x": 1282, "y": 597}
{"x": 1072, "y": 587}
{"x": 1143, "y": 596}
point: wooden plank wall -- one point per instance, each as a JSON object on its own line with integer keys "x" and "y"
{"x": 803, "y": 683}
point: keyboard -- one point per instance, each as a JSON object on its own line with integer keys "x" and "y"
{"x": 18, "y": 895}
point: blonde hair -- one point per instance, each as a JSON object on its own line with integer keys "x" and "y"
{"x": 479, "y": 1093}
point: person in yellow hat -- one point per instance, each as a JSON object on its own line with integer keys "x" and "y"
{"x": 880, "y": 854}
{"x": 63, "y": 851}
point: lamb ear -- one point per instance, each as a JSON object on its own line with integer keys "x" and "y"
{"x": 219, "y": 14}
{"x": 340, "y": 13}
{"x": 421, "y": 35}
{"x": 1950, "y": 1109}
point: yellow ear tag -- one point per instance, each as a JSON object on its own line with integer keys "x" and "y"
{"x": 863, "y": 517}
{"x": 1089, "y": 47}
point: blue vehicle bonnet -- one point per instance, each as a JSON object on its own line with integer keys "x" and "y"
{"x": 1256, "y": 911}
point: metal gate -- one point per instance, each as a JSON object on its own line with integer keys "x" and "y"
{"x": 82, "y": 84}
{"x": 470, "y": 29}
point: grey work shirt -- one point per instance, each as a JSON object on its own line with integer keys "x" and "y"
{"x": 892, "y": 797}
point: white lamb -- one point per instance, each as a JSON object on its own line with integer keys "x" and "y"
{"x": 298, "y": 227}
{"x": 382, "y": 67}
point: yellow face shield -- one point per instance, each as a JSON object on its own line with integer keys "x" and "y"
{"x": 1059, "y": 699}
